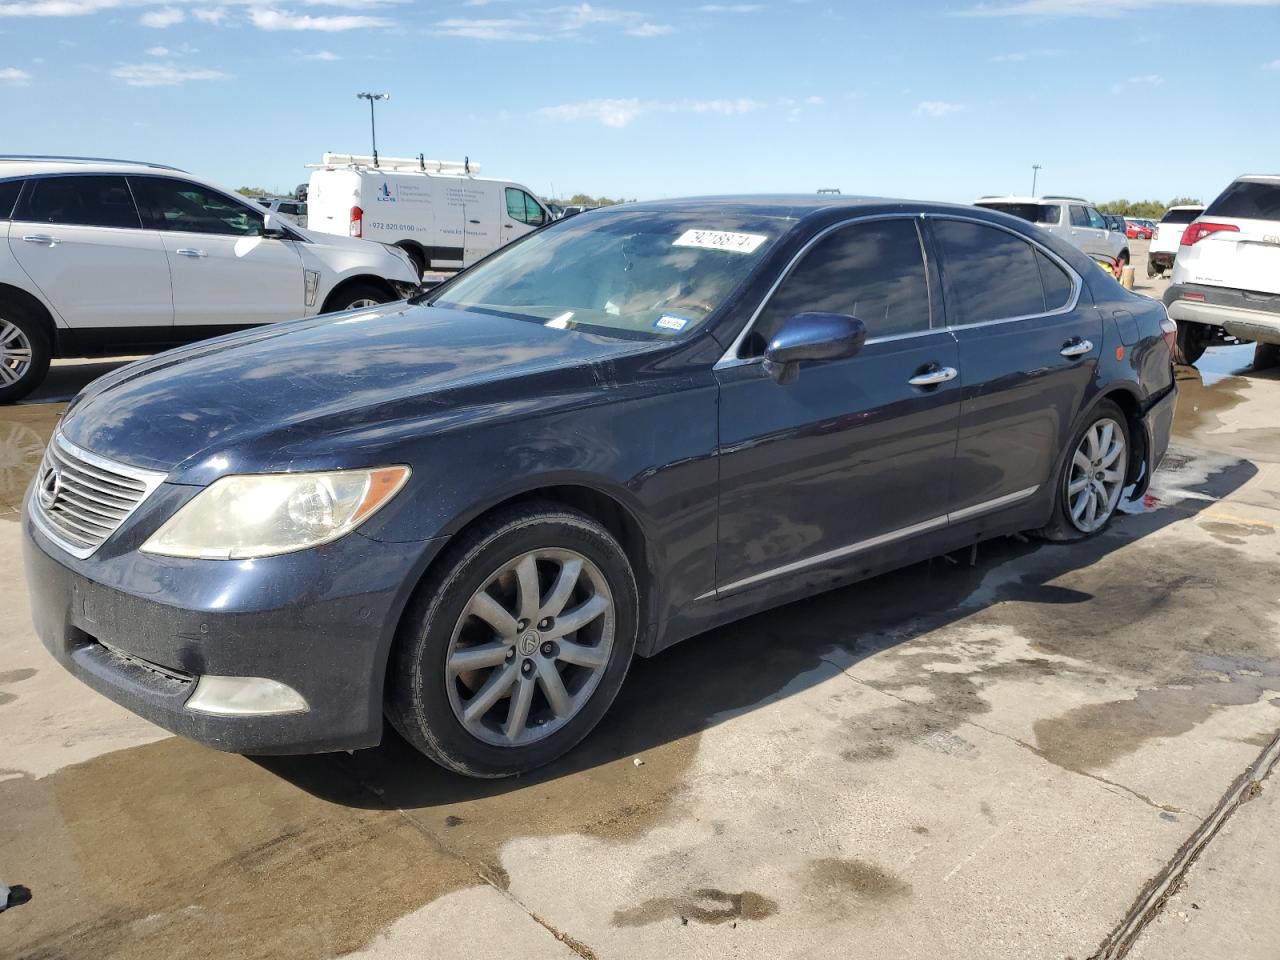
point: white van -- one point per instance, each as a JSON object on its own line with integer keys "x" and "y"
{"x": 439, "y": 212}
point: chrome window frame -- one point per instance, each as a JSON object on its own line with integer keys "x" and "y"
{"x": 731, "y": 359}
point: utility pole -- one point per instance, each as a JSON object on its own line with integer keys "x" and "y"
{"x": 373, "y": 130}
{"x": 1035, "y": 169}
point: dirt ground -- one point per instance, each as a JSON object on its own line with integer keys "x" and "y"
{"x": 997, "y": 756}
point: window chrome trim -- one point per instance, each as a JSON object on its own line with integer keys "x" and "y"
{"x": 730, "y": 358}
{"x": 150, "y": 479}
{"x": 947, "y": 519}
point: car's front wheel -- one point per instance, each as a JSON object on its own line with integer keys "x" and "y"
{"x": 24, "y": 353}
{"x": 358, "y": 296}
{"x": 1093, "y": 477}
{"x": 517, "y": 644}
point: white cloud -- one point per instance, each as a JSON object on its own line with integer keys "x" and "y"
{"x": 621, "y": 112}
{"x": 1093, "y": 8}
{"x": 265, "y": 19}
{"x": 13, "y": 77}
{"x": 164, "y": 17}
{"x": 162, "y": 74}
{"x": 322, "y": 56}
{"x": 649, "y": 29}
{"x": 1273, "y": 65}
{"x": 937, "y": 108}
{"x": 157, "y": 51}
{"x": 214, "y": 15}
{"x": 731, "y": 7}
{"x": 815, "y": 101}
{"x": 58, "y": 8}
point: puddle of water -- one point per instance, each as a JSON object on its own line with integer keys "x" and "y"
{"x": 1219, "y": 363}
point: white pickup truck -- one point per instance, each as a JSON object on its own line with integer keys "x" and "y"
{"x": 1226, "y": 278}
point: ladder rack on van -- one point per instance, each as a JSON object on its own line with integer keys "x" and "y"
{"x": 418, "y": 164}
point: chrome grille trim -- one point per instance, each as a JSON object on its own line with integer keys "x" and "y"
{"x": 92, "y": 496}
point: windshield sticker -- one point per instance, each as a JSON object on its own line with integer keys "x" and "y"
{"x": 720, "y": 240}
{"x": 668, "y": 322}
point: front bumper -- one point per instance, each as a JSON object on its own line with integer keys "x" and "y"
{"x": 1241, "y": 313}
{"x": 142, "y": 630}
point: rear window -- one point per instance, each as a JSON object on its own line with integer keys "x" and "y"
{"x": 1031, "y": 212}
{"x": 1179, "y": 216}
{"x": 1248, "y": 199}
{"x": 9, "y": 191}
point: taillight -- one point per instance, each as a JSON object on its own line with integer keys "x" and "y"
{"x": 357, "y": 223}
{"x": 1197, "y": 231}
{"x": 1169, "y": 330}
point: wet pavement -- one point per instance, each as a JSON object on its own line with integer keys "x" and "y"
{"x": 976, "y": 756}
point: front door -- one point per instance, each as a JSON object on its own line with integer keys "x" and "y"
{"x": 225, "y": 272}
{"x": 80, "y": 240}
{"x": 852, "y": 456}
{"x": 1089, "y": 230}
{"x": 1028, "y": 350}
{"x": 520, "y": 214}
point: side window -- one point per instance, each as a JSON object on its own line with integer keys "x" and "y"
{"x": 1079, "y": 216}
{"x": 1056, "y": 281}
{"x": 9, "y": 191}
{"x": 81, "y": 202}
{"x": 873, "y": 271}
{"x": 515, "y": 204}
{"x": 533, "y": 211}
{"x": 990, "y": 274}
{"x": 1050, "y": 213}
{"x": 190, "y": 208}
{"x": 1095, "y": 219}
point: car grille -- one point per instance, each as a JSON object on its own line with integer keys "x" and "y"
{"x": 83, "y": 498}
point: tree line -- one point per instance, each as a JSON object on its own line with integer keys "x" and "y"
{"x": 1143, "y": 209}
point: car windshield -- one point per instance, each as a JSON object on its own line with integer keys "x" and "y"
{"x": 631, "y": 274}
{"x": 1032, "y": 212}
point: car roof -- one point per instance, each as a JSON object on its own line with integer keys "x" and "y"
{"x": 1187, "y": 206}
{"x": 15, "y": 165}
{"x": 794, "y": 206}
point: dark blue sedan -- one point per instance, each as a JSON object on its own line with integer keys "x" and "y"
{"x": 469, "y": 513}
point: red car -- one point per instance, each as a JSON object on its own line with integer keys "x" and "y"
{"x": 1134, "y": 229}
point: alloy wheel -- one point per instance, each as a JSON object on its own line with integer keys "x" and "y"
{"x": 1096, "y": 478}
{"x": 530, "y": 647}
{"x": 15, "y": 354}
{"x": 362, "y": 304}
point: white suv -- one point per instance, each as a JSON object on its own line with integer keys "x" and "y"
{"x": 1075, "y": 220}
{"x": 1226, "y": 278}
{"x": 1167, "y": 236}
{"x": 105, "y": 257}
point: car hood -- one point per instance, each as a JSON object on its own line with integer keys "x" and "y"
{"x": 268, "y": 399}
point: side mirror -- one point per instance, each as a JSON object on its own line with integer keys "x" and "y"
{"x": 812, "y": 336}
{"x": 273, "y": 228}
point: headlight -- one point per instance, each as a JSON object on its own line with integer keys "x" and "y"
{"x": 240, "y": 517}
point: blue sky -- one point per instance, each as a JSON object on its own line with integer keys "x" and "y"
{"x": 649, "y": 99}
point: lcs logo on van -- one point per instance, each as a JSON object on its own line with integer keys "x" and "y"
{"x": 384, "y": 193}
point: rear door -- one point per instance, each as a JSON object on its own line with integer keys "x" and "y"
{"x": 1244, "y": 252}
{"x": 852, "y": 456}
{"x": 81, "y": 241}
{"x": 225, "y": 272}
{"x": 1029, "y": 341}
{"x": 1085, "y": 232}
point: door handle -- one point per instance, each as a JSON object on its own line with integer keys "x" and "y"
{"x": 933, "y": 376}
{"x": 189, "y": 252}
{"x": 473, "y": 221}
{"x": 1076, "y": 348}
{"x": 42, "y": 238}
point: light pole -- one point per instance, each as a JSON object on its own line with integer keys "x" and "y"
{"x": 1035, "y": 169}
{"x": 373, "y": 129}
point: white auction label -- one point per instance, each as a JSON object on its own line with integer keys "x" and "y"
{"x": 721, "y": 240}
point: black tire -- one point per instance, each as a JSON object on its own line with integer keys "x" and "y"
{"x": 1061, "y": 528}
{"x": 1152, "y": 272}
{"x": 355, "y": 296}
{"x": 418, "y": 696}
{"x": 1193, "y": 340}
{"x": 18, "y": 324}
{"x": 1265, "y": 355}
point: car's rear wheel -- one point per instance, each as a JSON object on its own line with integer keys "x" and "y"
{"x": 1266, "y": 355}
{"x": 1152, "y": 272}
{"x": 25, "y": 352}
{"x": 1093, "y": 477}
{"x": 517, "y": 645}
{"x": 1193, "y": 340}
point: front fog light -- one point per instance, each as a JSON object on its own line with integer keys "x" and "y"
{"x": 244, "y": 696}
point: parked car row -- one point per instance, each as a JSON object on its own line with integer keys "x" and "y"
{"x": 1074, "y": 220}
{"x": 107, "y": 257}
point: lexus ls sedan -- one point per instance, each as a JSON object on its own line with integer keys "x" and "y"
{"x": 469, "y": 512}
